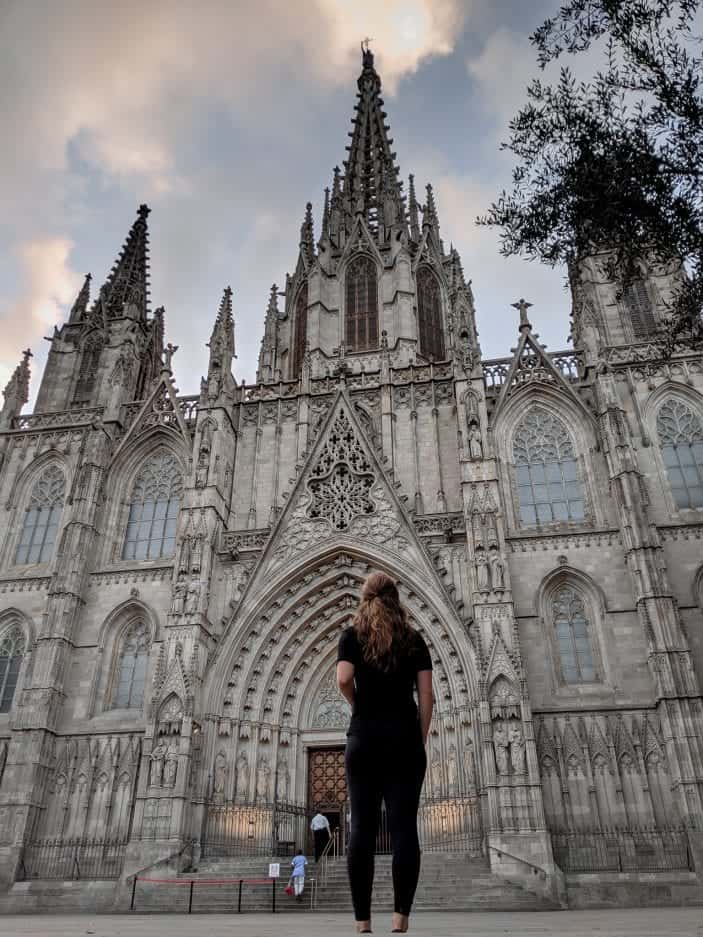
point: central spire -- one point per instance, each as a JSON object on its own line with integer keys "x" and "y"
{"x": 371, "y": 188}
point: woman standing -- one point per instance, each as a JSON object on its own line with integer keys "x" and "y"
{"x": 380, "y": 663}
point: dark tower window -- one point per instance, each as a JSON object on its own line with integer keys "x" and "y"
{"x": 639, "y": 307}
{"x": 90, "y": 363}
{"x": 300, "y": 336}
{"x": 361, "y": 305}
{"x": 429, "y": 313}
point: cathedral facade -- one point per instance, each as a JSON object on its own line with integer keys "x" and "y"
{"x": 175, "y": 571}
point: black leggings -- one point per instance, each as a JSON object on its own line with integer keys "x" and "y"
{"x": 388, "y": 767}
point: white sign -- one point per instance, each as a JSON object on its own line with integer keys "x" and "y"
{"x": 274, "y": 870}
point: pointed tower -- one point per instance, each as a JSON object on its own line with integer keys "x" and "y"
{"x": 126, "y": 290}
{"x": 413, "y": 210}
{"x": 267, "y": 370}
{"x": 80, "y": 306}
{"x": 307, "y": 235}
{"x": 220, "y": 382}
{"x": 371, "y": 187}
{"x": 16, "y": 392}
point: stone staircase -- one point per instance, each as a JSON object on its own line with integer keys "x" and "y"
{"x": 448, "y": 881}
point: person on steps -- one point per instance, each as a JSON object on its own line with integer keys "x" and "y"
{"x": 320, "y": 827}
{"x": 298, "y": 875}
{"x": 381, "y": 661}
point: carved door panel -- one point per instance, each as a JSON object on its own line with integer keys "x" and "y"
{"x": 327, "y": 782}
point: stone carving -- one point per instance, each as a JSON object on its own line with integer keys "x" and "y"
{"x": 497, "y": 570}
{"x": 475, "y": 443}
{"x": 452, "y": 769}
{"x": 482, "y": 579}
{"x": 330, "y": 711}
{"x": 436, "y": 772}
{"x": 282, "y": 780}
{"x": 220, "y": 774}
{"x": 171, "y": 767}
{"x": 518, "y": 758}
{"x": 241, "y": 779}
{"x": 500, "y": 744}
{"x": 263, "y": 778}
{"x": 156, "y": 765}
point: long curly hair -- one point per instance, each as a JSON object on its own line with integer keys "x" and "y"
{"x": 381, "y": 622}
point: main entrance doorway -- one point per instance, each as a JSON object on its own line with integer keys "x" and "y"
{"x": 327, "y": 786}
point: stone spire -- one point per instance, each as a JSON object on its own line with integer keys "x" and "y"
{"x": 221, "y": 345}
{"x": 371, "y": 187}
{"x": 269, "y": 343}
{"x": 80, "y": 306}
{"x": 307, "y": 236}
{"x": 16, "y": 391}
{"x": 413, "y": 210}
{"x": 325, "y": 216}
{"x": 126, "y": 291}
{"x": 430, "y": 218}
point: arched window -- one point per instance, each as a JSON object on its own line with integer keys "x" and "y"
{"x": 639, "y": 307}
{"x": 681, "y": 439}
{"x": 88, "y": 371}
{"x": 572, "y": 632}
{"x": 12, "y": 647}
{"x": 41, "y": 519}
{"x": 548, "y": 485}
{"x": 128, "y": 690}
{"x": 429, "y": 313}
{"x": 153, "y": 511}
{"x": 361, "y": 304}
{"x": 300, "y": 336}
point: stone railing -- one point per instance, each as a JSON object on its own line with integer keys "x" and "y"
{"x": 237, "y": 541}
{"x": 73, "y": 417}
{"x": 570, "y": 365}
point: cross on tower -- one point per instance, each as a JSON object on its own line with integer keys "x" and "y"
{"x": 27, "y": 354}
{"x": 522, "y": 306}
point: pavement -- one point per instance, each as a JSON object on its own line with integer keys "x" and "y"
{"x": 639, "y": 922}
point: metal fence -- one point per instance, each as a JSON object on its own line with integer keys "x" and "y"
{"x": 72, "y": 859}
{"x": 257, "y": 829}
{"x": 622, "y": 851}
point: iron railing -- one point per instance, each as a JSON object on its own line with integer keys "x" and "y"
{"x": 630, "y": 850}
{"x": 258, "y": 829}
{"x": 72, "y": 859}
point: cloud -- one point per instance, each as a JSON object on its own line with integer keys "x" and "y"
{"x": 48, "y": 284}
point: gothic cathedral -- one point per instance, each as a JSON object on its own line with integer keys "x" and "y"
{"x": 175, "y": 571}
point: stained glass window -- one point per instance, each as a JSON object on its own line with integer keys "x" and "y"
{"x": 361, "y": 304}
{"x": 639, "y": 307}
{"x": 41, "y": 518}
{"x": 571, "y": 627}
{"x": 301, "y": 329}
{"x": 681, "y": 438}
{"x": 153, "y": 511}
{"x": 429, "y": 311}
{"x": 12, "y": 646}
{"x": 549, "y": 489}
{"x": 131, "y": 673}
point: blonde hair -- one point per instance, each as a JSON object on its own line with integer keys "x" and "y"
{"x": 381, "y": 622}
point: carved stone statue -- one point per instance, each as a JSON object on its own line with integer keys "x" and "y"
{"x": 241, "y": 783}
{"x": 156, "y": 765}
{"x": 179, "y": 597}
{"x": 193, "y": 598}
{"x": 170, "y": 768}
{"x": 282, "y": 780}
{"x": 436, "y": 772}
{"x": 500, "y": 744}
{"x": 263, "y": 776}
{"x": 517, "y": 750}
{"x": 497, "y": 571}
{"x": 218, "y": 786}
{"x": 482, "y": 583}
{"x": 452, "y": 769}
{"x": 475, "y": 443}
{"x": 468, "y": 761}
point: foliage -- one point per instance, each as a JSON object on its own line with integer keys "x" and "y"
{"x": 615, "y": 162}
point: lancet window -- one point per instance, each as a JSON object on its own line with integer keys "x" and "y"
{"x": 41, "y": 518}
{"x": 429, "y": 314}
{"x": 12, "y": 648}
{"x": 88, "y": 371}
{"x": 300, "y": 334}
{"x": 639, "y": 307}
{"x": 361, "y": 304}
{"x": 681, "y": 438}
{"x": 153, "y": 511}
{"x": 128, "y": 692}
{"x": 548, "y": 486}
{"x": 572, "y": 632}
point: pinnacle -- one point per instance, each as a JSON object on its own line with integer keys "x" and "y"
{"x": 307, "y": 244}
{"x": 80, "y": 305}
{"x": 128, "y": 282}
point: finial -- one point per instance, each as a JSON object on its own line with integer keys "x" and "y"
{"x": 522, "y": 306}
{"x": 306, "y": 233}
{"x": 169, "y": 351}
{"x": 413, "y": 210}
{"x": 326, "y": 213}
{"x": 366, "y": 53}
{"x": 27, "y": 354}
{"x": 144, "y": 211}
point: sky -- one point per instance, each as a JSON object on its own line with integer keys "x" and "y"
{"x": 226, "y": 117}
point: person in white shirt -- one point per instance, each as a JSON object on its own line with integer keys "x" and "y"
{"x": 320, "y": 827}
{"x": 298, "y": 874}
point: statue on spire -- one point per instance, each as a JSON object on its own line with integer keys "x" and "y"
{"x": 522, "y": 306}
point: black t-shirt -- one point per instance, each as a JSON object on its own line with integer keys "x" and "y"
{"x": 384, "y": 695}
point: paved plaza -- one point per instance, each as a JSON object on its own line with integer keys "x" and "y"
{"x": 658, "y": 922}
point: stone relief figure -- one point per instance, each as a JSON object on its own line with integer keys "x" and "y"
{"x": 179, "y": 597}
{"x": 241, "y": 782}
{"x": 193, "y": 598}
{"x": 482, "y": 583}
{"x": 517, "y": 750}
{"x": 263, "y": 776}
{"x": 220, "y": 776}
{"x": 468, "y": 761}
{"x": 500, "y": 744}
{"x": 436, "y": 772}
{"x": 475, "y": 443}
{"x": 282, "y": 780}
{"x": 156, "y": 765}
{"x": 497, "y": 571}
{"x": 452, "y": 769}
{"x": 170, "y": 768}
